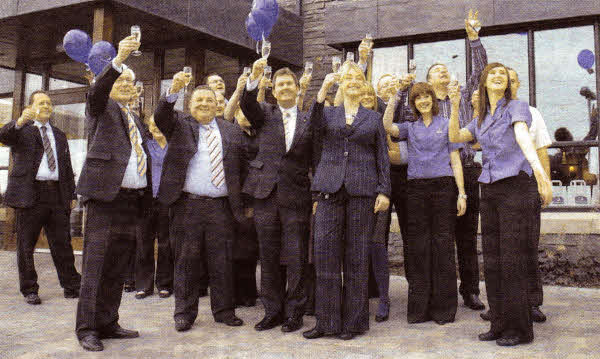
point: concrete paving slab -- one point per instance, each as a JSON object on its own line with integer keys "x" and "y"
{"x": 47, "y": 330}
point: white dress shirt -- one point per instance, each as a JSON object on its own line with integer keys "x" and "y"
{"x": 44, "y": 173}
{"x": 538, "y": 130}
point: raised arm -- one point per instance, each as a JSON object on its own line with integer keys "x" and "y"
{"x": 234, "y": 101}
{"x": 461, "y": 203}
{"x": 478, "y": 54}
{"x": 304, "y": 82}
{"x": 250, "y": 107}
{"x": 388, "y": 117}
{"x": 455, "y": 133}
{"x": 164, "y": 116}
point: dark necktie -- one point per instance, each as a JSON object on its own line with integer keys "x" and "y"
{"x": 48, "y": 150}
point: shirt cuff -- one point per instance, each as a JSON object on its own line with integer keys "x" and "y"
{"x": 119, "y": 69}
{"x": 251, "y": 85}
{"x": 171, "y": 97}
{"x": 475, "y": 43}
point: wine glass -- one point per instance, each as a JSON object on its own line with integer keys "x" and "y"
{"x": 336, "y": 63}
{"x": 308, "y": 68}
{"x": 247, "y": 71}
{"x": 266, "y": 49}
{"x": 412, "y": 66}
{"x": 475, "y": 24}
{"x": 350, "y": 57}
{"x": 137, "y": 32}
{"x": 187, "y": 70}
{"x": 369, "y": 39}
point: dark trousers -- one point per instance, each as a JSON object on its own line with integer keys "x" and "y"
{"x": 536, "y": 292}
{"x": 378, "y": 253}
{"x": 343, "y": 230}
{"x": 109, "y": 245}
{"x": 155, "y": 225}
{"x": 203, "y": 230}
{"x": 505, "y": 224}
{"x": 49, "y": 213}
{"x": 245, "y": 255}
{"x": 466, "y": 235}
{"x": 282, "y": 238}
{"x": 430, "y": 257}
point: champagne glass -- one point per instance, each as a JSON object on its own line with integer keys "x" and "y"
{"x": 308, "y": 68}
{"x": 137, "y": 32}
{"x": 267, "y": 73}
{"x": 266, "y": 49}
{"x": 336, "y": 63}
{"x": 187, "y": 70}
{"x": 369, "y": 39}
{"x": 350, "y": 57}
{"x": 412, "y": 66}
{"x": 247, "y": 71}
{"x": 475, "y": 24}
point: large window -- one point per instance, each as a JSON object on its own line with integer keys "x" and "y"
{"x": 510, "y": 50}
{"x": 451, "y": 53}
{"x": 388, "y": 60}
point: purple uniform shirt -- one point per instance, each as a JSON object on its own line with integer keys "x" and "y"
{"x": 428, "y": 148}
{"x": 158, "y": 156}
{"x": 502, "y": 155}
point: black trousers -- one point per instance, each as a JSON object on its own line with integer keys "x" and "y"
{"x": 536, "y": 292}
{"x": 155, "y": 226}
{"x": 505, "y": 224}
{"x": 108, "y": 246}
{"x": 343, "y": 229}
{"x": 283, "y": 239}
{"x": 203, "y": 229}
{"x": 49, "y": 213}
{"x": 430, "y": 256}
{"x": 245, "y": 254}
{"x": 466, "y": 235}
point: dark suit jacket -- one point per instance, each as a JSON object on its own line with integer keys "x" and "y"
{"x": 27, "y": 150}
{"x": 181, "y": 131}
{"x": 355, "y": 157}
{"x": 109, "y": 146}
{"x": 273, "y": 166}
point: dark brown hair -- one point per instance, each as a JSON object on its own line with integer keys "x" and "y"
{"x": 432, "y": 66}
{"x": 483, "y": 97}
{"x": 285, "y": 71}
{"x": 32, "y": 96}
{"x": 207, "y": 88}
{"x": 423, "y": 88}
{"x": 211, "y": 75}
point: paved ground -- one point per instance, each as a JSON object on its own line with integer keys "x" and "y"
{"x": 46, "y": 331}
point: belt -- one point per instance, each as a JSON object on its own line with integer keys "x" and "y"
{"x": 188, "y": 195}
{"x": 472, "y": 164}
{"x": 132, "y": 191}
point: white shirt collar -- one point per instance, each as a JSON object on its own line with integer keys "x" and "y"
{"x": 292, "y": 110}
{"x": 38, "y": 124}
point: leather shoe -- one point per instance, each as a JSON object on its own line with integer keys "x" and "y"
{"x": 383, "y": 312}
{"x": 119, "y": 333}
{"x": 488, "y": 336}
{"x": 508, "y": 341}
{"x": 164, "y": 293}
{"x": 537, "y": 315}
{"x": 231, "y": 321}
{"x": 346, "y": 336}
{"x": 33, "y": 299}
{"x": 182, "y": 325}
{"x": 128, "y": 288}
{"x": 268, "y": 322}
{"x": 91, "y": 343}
{"x": 485, "y": 316}
{"x": 141, "y": 294}
{"x": 442, "y": 321}
{"x": 472, "y": 301}
{"x": 250, "y": 302}
{"x": 314, "y": 333}
{"x": 292, "y": 324}
{"x": 71, "y": 293}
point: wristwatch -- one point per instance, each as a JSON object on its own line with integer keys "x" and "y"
{"x": 462, "y": 196}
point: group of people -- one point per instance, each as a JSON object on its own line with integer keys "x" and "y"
{"x": 308, "y": 194}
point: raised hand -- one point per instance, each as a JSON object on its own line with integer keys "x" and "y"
{"x": 241, "y": 82}
{"x": 405, "y": 81}
{"x": 364, "y": 49}
{"x": 454, "y": 93}
{"x": 304, "y": 82}
{"x": 179, "y": 81}
{"x": 28, "y": 115}
{"x": 258, "y": 68}
{"x": 472, "y": 24}
{"x": 265, "y": 83}
{"x": 475, "y": 99}
{"x": 329, "y": 80}
{"x": 126, "y": 47}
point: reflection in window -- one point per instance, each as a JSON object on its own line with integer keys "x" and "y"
{"x": 511, "y": 51}
{"x": 450, "y": 53}
{"x": 559, "y": 79}
{"x": 71, "y": 120}
{"x": 164, "y": 86}
{"x": 5, "y": 110}
{"x": 33, "y": 83}
{"x": 389, "y": 60}
{"x": 7, "y": 80}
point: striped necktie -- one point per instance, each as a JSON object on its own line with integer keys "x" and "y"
{"x": 216, "y": 158}
{"x": 48, "y": 149}
{"x": 137, "y": 147}
{"x": 286, "y": 128}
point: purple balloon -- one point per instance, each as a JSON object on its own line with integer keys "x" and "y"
{"x": 77, "y": 45}
{"x": 101, "y": 55}
{"x": 255, "y": 31}
{"x": 585, "y": 59}
{"x": 265, "y": 13}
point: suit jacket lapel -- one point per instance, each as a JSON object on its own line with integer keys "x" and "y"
{"x": 224, "y": 139}
{"x": 195, "y": 126}
{"x": 300, "y": 127}
{"x": 278, "y": 118}
{"x": 361, "y": 114}
{"x": 37, "y": 134}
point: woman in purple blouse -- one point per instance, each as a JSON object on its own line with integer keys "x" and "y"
{"x": 434, "y": 175}
{"x": 509, "y": 160}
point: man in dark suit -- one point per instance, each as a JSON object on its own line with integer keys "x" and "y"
{"x": 278, "y": 181}
{"x": 41, "y": 188}
{"x": 116, "y": 182}
{"x": 201, "y": 182}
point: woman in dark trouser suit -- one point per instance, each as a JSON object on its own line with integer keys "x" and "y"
{"x": 509, "y": 160}
{"x": 434, "y": 174}
{"x": 352, "y": 181}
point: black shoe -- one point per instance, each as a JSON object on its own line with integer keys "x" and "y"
{"x": 346, "y": 336}
{"x": 71, "y": 293}
{"x": 314, "y": 333}
{"x": 33, "y": 299}
{"x": 181, "y": 325}
{"x": 231, "y": 321}
{"x": 268, "y": 322}
{"x": 128, "y": 288}
{"x": 488, "y": 336}
{"x": 292, "y": 324}
{"x": 508, "y": 341}
{"x": 141, "y": 294}
{"x": 537, "y": 315}
{"x": 383, "y": 312}
{"x": 119, "y": 333}
{"x": 472, "y": 301}
{"x": 164, "y": 293}
{"x": 91, "y": 343}
{"x": 486, "y": 316}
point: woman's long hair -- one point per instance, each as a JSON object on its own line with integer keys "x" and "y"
{"x": 483, "y": 97}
